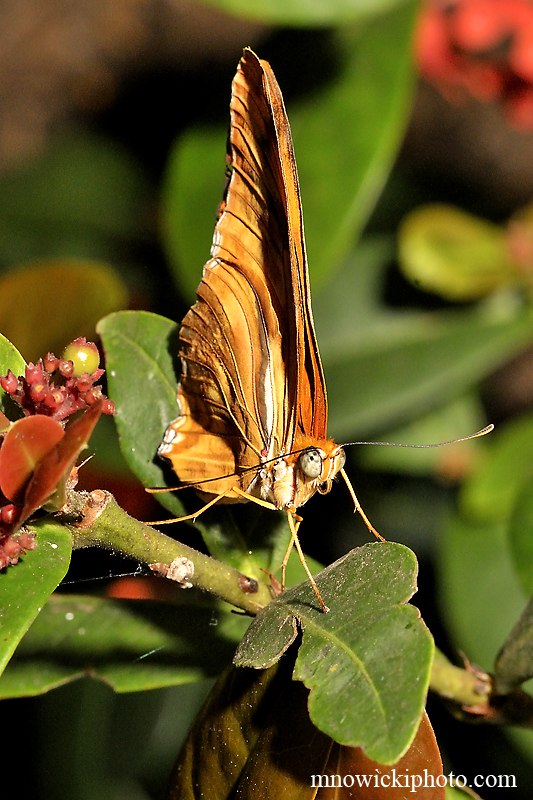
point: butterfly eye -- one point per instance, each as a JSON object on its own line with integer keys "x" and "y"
{"x": 311, "y": 462}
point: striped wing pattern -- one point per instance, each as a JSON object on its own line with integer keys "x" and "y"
{"x": 252, "y": 386}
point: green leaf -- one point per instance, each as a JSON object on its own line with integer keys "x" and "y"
{"x": 10, "y": 359}
{"x": 141, "y": 351}
{"x": 61, "y": 299}
{"x": 475, "y": 573}
{"x": 383, "y": 367}
{"x": 346, "y": 657}
{"x": 514, "y": 664}
{"x": 520, "y": 534}
{"x": 25, "y": 588}
{"x": 301, "y": 12}
{"x": 458, "y": 418}
{"x": 455, "y": 793}
{"x": 493, "y": 492}
{"x": 340, "y": 182}
{"x": 454, "y": 254}
{"x": 130, "y": 645}
{"x": 81, "y": 198}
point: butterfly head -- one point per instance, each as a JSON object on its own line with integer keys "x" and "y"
{"x": 315, "y": 467}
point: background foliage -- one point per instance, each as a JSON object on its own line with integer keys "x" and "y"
{"x": 114, "y": 209}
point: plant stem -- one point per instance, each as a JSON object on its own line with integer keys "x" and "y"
{"x": 467, "y": 687}
{"x": 473, "y": 693}
{"x": 104, "y": 523}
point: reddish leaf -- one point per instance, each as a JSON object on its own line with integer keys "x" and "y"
{"x": 51, "y": 473}
{"x": 26, "y": 443}
{"x": 417, "y": 774}
{"x": 254, "y": 740}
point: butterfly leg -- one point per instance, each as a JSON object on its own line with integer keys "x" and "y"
{"x": 294, "y": 537}
{"x": 359, "y": 509}
{"x": 294, "y": 524}
{"x": 192, "y": 516}
{"x": 253, "y": 499}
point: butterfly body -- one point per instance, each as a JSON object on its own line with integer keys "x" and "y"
{"x": 289, "y": 481}
{"x": 286, "y": 481}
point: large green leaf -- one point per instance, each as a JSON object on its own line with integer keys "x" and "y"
{"x": 130, "y": 645}
{"x": 367, "y": 661}
{"x": 25, "y": 588}
{"x": 384, "y": 366}
{"x": 453, "y": 254}
{"x": 141, "y": 355}
{"x": 82, "y": 197}
{"x": 302, "y": 12}
{"x": 475, "y": 573}
{"x": 493, "y": 491}
{"x": 345, "y": 136}
{"x": 514, "y": 664}
{"x": 141, "y": 346}
{"x": 521, "y": 534}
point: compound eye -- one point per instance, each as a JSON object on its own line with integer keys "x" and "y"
{"x": 311, "y": 463}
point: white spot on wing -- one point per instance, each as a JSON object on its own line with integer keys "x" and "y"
{"x": 268, "y": 401}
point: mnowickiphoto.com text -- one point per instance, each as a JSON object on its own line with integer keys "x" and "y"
{"x": 412, "y": 781}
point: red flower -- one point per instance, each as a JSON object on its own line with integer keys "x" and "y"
{"x": 482, "y": 48}
{"x": 57, "y": 387}
{"x": 54, "y": 388}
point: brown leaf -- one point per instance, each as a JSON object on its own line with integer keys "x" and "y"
{"x": 416, "y": 774}
{"x": 253, "y": 739}
{"x": 27, "y": 442}
{"x": 51, "y": 473}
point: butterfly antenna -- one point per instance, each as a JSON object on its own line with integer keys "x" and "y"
{"x": 357, "y": 504}
{"x": 476, "y": 435}
{"x": 237, "y": 473}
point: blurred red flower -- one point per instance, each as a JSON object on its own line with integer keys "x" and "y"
{"x": 482, "y": 48}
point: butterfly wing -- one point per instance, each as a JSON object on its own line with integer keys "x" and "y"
{"x": 251, "y": 380}
{"x": 302, "y": 350}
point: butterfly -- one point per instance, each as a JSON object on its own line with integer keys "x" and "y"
{"x": 252, "y": 395}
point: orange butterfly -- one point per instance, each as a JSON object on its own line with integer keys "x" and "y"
{"x": 252, "y": 395}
